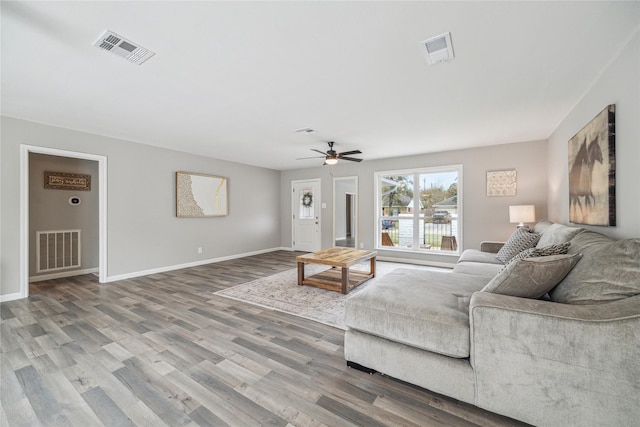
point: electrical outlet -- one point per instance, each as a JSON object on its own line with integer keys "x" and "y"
{"x": 199, "y": 250}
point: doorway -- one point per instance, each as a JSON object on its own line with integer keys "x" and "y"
{"x": 25, "y": 151}
{"x": 345, "y": 211}
{"x": 305, "y": 201}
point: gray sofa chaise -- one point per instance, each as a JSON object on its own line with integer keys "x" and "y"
{"x": 571, "y": 357}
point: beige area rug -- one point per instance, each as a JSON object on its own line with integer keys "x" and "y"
{"x": 281, "y": 292}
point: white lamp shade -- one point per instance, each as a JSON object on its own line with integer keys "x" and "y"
{"x": 522, "y": 214}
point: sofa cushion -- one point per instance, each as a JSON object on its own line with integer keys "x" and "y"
{"x": 486, "y": 269}
{"x": 424, "y": 309}
{"x": 532, "y": 277}
{"x": 588, "y": 241}
{"x": 553, "y": 234}
{"x": 608, "y": 271}
{"x": 474, "y": 255}
{"x": 520, "y": 240}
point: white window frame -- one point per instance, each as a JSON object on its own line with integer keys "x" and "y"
{"x": 416, "y": 202}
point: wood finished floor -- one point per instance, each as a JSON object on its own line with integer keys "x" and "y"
{"x": 162, "y": 350}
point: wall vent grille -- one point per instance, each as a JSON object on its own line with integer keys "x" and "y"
{"x": 57, "y": 250}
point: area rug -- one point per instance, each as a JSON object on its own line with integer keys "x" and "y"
{"x": 281, "y": 292}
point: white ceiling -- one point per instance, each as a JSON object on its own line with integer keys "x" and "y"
{"x": 233, "y": 80}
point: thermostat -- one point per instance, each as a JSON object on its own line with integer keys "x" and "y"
{"x": 74, "y": 200}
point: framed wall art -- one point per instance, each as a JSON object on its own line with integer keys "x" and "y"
{"x": 502, "y": 183}
{"x": 592, "y": 171}
{"x": 199, "y": 195}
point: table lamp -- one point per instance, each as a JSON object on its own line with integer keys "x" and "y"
{"x": 521, "y": 214}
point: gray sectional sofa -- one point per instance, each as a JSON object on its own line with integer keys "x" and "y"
{"x": 571, "y": 357}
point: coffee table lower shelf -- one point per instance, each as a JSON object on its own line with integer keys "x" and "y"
{"x": 332, "y": 279}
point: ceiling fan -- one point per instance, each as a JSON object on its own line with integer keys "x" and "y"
{"x": 331, "y": 157}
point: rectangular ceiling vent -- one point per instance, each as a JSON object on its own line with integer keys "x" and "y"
{"x": 438, "y": 49}
{"x": 117, "y": 44}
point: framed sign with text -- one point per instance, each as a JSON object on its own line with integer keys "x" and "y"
{"x": 67, "y": 181}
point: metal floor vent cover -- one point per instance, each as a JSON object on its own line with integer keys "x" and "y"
{"x": 127, "y": 49}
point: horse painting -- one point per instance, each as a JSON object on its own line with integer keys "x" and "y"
{"x": 592, "y": 171}
{"x": 581, "y": 176}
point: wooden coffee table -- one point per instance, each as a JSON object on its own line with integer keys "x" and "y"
{"x": 339, "y": 278}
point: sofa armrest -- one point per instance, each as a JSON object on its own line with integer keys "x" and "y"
{"x": 551, "y": 364}
{"x": 491, "y": 246}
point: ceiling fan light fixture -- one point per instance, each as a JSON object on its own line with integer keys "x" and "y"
{"x": 331, "y": 161}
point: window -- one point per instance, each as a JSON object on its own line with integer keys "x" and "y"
{"x": 419, "y": 210}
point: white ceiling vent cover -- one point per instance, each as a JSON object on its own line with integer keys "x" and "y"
{"x": 438, "y": 48}
{"x": 127, "y": 49}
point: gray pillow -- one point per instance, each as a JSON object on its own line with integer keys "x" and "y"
{"x": 541, "y": 226}
{"x": 556, "y": 233}
{"x": 532, "y": 277}
{"x": 608, "y": 272}
{"x": 520, "y": 240}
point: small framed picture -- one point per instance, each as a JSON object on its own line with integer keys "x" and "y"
{"x": 502, "y": 183}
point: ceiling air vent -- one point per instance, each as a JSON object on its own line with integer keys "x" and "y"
{"x": 117, "y": 44}
{"x": 438, "y": 48}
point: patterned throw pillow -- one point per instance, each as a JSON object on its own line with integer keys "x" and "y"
{"x": 550, "y": 250}
{"x": 559, "y": 249}
{"x": 520, "y": 240}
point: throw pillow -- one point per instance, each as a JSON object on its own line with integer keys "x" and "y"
{"x": 532, "y": 277}
{"x": 520, "y": 240}
{"x": 560, "y": 249}
{"x": 541, "y": 226}
{"x": 556, "y": 233}
{"x": 608, "y": 272}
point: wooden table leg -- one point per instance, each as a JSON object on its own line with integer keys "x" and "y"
{"x": 345, "y": 280}
{"x": 300, "y": 273}
{"x": 372, "y": 266}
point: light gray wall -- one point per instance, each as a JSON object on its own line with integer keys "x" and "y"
{"x": 619, "y": 84}
{"x": 143, "y": 231}
{"x": 485, "y": 218}
{"x": 50, "y": 209}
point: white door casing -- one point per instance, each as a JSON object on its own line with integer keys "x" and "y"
{"x": 305, "y": 210}
{"x": 24, "y": 209}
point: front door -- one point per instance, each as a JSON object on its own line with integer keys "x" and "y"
{"x": 305, "y": 202}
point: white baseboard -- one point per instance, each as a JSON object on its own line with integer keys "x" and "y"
{"x": 11, "y": 297}
{"x": 62, "y": 274}
{"x": 189, "y": 264}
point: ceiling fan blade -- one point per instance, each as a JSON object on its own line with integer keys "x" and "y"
{"x": 314, "y": 157}
{"x": 348, "y": 153}
{"x": 318, "y": 151}
{"x": 351, "y": 159}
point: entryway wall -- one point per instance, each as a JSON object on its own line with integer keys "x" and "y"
{"x": 50, "y": 210}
